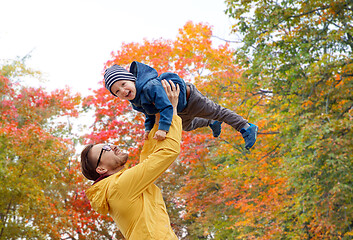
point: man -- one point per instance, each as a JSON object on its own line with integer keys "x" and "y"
{"x": 129, "y": 195}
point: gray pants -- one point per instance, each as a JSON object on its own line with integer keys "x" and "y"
{"x": 201, "y": 112}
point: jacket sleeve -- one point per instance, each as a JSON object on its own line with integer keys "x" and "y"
{"x": 158, "y": 96}
{"x": 159, "y": 155}
{"x": 149, "y": 122}
{"x": 150, "y": 119}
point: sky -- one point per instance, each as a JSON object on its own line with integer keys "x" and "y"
{"x": 70, "y": 40}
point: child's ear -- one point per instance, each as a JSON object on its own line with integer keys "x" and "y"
{"x": 101, "y": 170}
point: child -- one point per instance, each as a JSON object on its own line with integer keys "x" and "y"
{"x": 142, "y": 87}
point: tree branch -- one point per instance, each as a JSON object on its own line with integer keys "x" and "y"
{"x": 268, "y": 154}
{"x": 299, "y": 15}
{"x": 345, "y": 111}
{"x": 267, "y": 133}
{"x": 225, "y": 40}
{"x": 307, "y": 13}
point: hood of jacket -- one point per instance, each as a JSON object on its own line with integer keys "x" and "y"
{"x": 143, "y": 74}
{"x": 97, "y": 195}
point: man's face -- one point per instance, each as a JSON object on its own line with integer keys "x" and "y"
{"x": 124, "y": 89}
{"x": 111, "y": 157}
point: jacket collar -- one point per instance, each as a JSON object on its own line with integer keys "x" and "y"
{"x": 101, "y": 177}
{"x": 105, "y": 175}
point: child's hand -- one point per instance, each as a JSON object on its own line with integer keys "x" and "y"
{"x": 145, "y": 135}
{"x": 160, "y": 135}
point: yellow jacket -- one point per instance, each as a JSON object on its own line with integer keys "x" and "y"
{"x": 130, "y": 196}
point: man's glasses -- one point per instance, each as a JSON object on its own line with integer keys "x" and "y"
{"x": 104, "y": 148}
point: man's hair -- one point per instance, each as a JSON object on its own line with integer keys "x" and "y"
{"x": 87, "y": 167}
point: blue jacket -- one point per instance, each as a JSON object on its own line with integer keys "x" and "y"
{"x": 151, "y": 97}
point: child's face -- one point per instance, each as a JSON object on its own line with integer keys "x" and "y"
{"x": 124, "y": 89}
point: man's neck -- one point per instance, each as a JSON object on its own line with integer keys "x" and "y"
{"x": 109, "y": 173}
{"x": 116, "y": 170}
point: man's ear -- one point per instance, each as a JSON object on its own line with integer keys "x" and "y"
{"x": 101, "y": 170}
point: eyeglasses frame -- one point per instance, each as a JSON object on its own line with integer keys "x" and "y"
{"x": 107, "y": 148}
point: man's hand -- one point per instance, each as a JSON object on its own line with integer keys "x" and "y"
{"x": 172, "y": 93}
{"x": 160, "y": 135}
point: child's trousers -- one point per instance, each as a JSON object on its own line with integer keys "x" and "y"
{"x": 201, "y": 112}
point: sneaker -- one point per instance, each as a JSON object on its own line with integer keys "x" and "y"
{"x": 249, "y": 135}
{"x": 216, "y": 128}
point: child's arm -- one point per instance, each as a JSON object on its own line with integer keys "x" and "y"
{"x": 159, "y": 135}
{"x": 149, "y": 122}
{"x": 159, "y": 98}
{"x": 145, "y": 135}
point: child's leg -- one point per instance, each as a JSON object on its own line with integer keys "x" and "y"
{"x": 190, "y": 124}
{"x": 200, "y": 107}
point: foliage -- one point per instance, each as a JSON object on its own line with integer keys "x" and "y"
{"x": 293, "y": 78}
{"x": 301, "y": 52}
{"x": 35, "y": 156}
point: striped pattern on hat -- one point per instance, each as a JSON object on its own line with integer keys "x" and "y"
{"x": 116, "y": 73}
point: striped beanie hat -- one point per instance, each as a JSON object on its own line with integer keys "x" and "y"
{"x": 116, "y": 73}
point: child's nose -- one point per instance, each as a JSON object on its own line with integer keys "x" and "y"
{"x": 122, "y": 92}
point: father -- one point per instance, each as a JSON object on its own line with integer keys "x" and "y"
{"x": 129, "y": 195}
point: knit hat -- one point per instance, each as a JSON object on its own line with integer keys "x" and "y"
{"x": 116, "y": 73}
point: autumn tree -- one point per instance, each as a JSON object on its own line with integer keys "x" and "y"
{"x": 299, "y": 54}
{"x": 36, "y": 150}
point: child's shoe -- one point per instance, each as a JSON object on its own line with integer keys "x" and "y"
{"x": 249, "y": 135}
{"x": 216, "y": 128}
